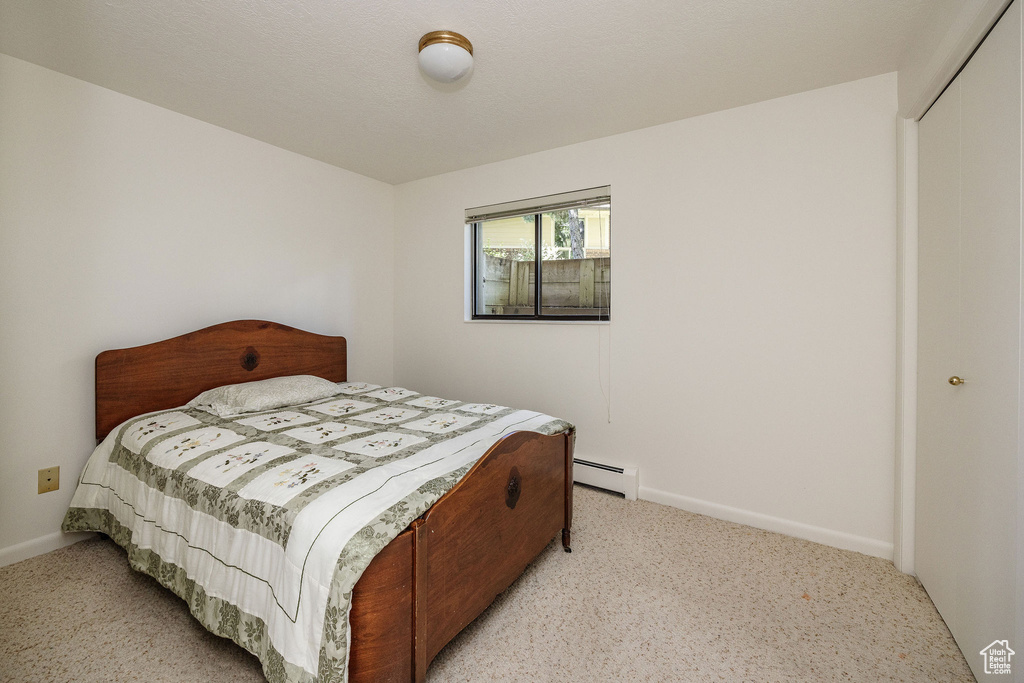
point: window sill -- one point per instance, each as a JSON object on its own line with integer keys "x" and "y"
{"x": 533, "y": 321}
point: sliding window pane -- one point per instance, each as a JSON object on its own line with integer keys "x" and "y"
{"x": 505, "y": 263}
{"x": 576, "y": 262}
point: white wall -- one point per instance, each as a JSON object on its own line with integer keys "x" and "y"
{"x": 123, "y": 223}
{"x": 752, "y": 348}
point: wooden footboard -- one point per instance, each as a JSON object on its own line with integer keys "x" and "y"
{"x": 451, "y": 563}
{"x": 381, "y": 616}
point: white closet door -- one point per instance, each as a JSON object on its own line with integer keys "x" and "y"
{"x": 970, "y": 315}
{"x": 940, "y": 468}
{"x": 990, "y": 332}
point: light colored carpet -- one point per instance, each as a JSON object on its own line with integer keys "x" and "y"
{"x": 650, "y": 593}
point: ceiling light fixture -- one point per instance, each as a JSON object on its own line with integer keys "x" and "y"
{"x": 445, "y": 56}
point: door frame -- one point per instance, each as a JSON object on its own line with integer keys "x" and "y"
{"x": 904, "y": 485}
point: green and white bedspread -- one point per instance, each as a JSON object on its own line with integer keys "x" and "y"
{"x": 264, "y": 522}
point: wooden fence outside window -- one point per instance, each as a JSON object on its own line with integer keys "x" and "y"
{"x": 568, "y": 286}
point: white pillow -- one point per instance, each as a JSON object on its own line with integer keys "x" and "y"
{"x": 251, "y": 397}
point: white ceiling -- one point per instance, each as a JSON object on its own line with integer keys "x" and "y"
{"x": 339, "y": 81}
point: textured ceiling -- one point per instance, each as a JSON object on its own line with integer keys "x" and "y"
{"x": 339, "y": 81}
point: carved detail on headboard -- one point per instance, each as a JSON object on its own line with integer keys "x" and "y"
{"x": 250, "y": 359}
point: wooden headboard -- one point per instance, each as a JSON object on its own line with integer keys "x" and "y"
{"x": 172, "y": 372}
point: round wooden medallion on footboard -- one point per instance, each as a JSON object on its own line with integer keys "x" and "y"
{"x": 513, "y": 488}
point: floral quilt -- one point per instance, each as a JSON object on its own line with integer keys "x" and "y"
{"x": 264, "y": 522}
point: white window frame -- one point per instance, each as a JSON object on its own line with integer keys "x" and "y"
{"x": 527, "y": 207}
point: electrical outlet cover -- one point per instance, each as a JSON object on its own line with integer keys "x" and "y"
{"x": 49, "y": 479}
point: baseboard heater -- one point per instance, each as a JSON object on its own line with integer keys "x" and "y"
{"x": 622, "y": 480}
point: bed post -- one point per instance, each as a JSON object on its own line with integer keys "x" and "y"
{"x": 570, "y": 441}
{"x": 419, "y": 599}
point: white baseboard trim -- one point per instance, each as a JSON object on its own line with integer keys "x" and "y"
{"x": 836, "y": 539}
{"x": 39, "y": 546}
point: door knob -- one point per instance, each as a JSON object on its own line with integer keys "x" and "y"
{"x": 955, "y": 381}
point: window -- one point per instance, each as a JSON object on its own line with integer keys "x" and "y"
{"x": 547, "y": 258}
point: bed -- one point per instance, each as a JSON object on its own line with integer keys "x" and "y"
{"x": 480, "y": 525}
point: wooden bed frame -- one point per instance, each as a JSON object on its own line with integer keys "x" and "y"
{"x": 439, "y": 574}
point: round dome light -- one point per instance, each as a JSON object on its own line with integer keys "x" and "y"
{"x": 445, "y": 56}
